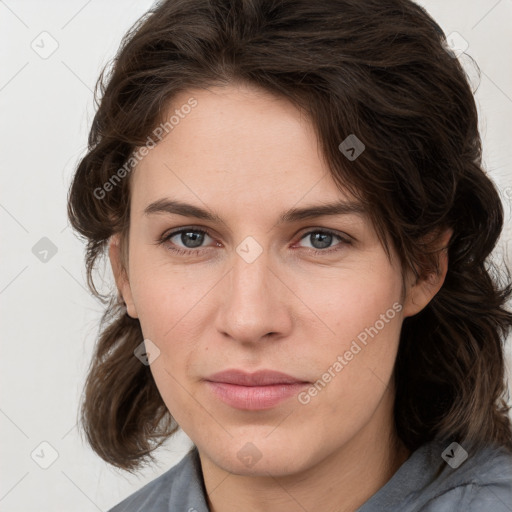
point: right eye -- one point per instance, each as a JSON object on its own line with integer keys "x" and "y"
{"x": 191, "y": 238}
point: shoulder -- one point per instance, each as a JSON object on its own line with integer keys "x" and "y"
{"x": 179, "y": 488}
{"x": 483, "y": 482}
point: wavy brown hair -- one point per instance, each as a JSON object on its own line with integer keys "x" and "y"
{"x": 379, "y": 69}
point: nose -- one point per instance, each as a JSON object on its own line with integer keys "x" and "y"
{"x": 254, "y": 302}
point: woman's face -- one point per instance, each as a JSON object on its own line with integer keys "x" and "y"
{"x": 266, "y": 288}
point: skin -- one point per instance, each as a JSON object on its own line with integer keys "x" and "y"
{"x": 249, "y": 156}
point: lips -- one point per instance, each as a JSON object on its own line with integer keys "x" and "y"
{"x": 259, "y": 378}
{"x": 263, "y": 389}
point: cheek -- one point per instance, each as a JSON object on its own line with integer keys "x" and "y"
{"x": 168, "y": 310}
{"x": 348, "y": 303}
{"x": 360, "y": 320}
{"x": 167, "y": 298}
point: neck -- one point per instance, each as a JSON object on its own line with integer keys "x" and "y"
{"x": 343, "y": 481}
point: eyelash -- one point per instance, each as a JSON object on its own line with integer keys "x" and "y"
{"x": 192, "y": 252}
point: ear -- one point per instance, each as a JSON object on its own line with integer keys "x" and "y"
{"x": 420, "y": 291}
{"x": 121, "y": 275}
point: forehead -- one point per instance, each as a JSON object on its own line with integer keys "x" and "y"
{"x": 237, "y": 145}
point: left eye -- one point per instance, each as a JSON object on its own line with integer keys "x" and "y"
{"x": 321, "y": 239}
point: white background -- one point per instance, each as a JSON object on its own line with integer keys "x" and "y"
{"x": 49, "y": 319}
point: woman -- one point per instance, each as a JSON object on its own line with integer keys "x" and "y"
{"x": 299, "y": 226}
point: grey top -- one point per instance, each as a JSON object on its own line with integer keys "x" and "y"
{"x": 482, "y": 482}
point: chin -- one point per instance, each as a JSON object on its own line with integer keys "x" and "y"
{"x": 261, "y": 456}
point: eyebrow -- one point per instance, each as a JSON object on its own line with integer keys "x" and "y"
{"x": 171, "y": 206}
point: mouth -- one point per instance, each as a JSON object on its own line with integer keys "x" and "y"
{"x": 254, "y": 391}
